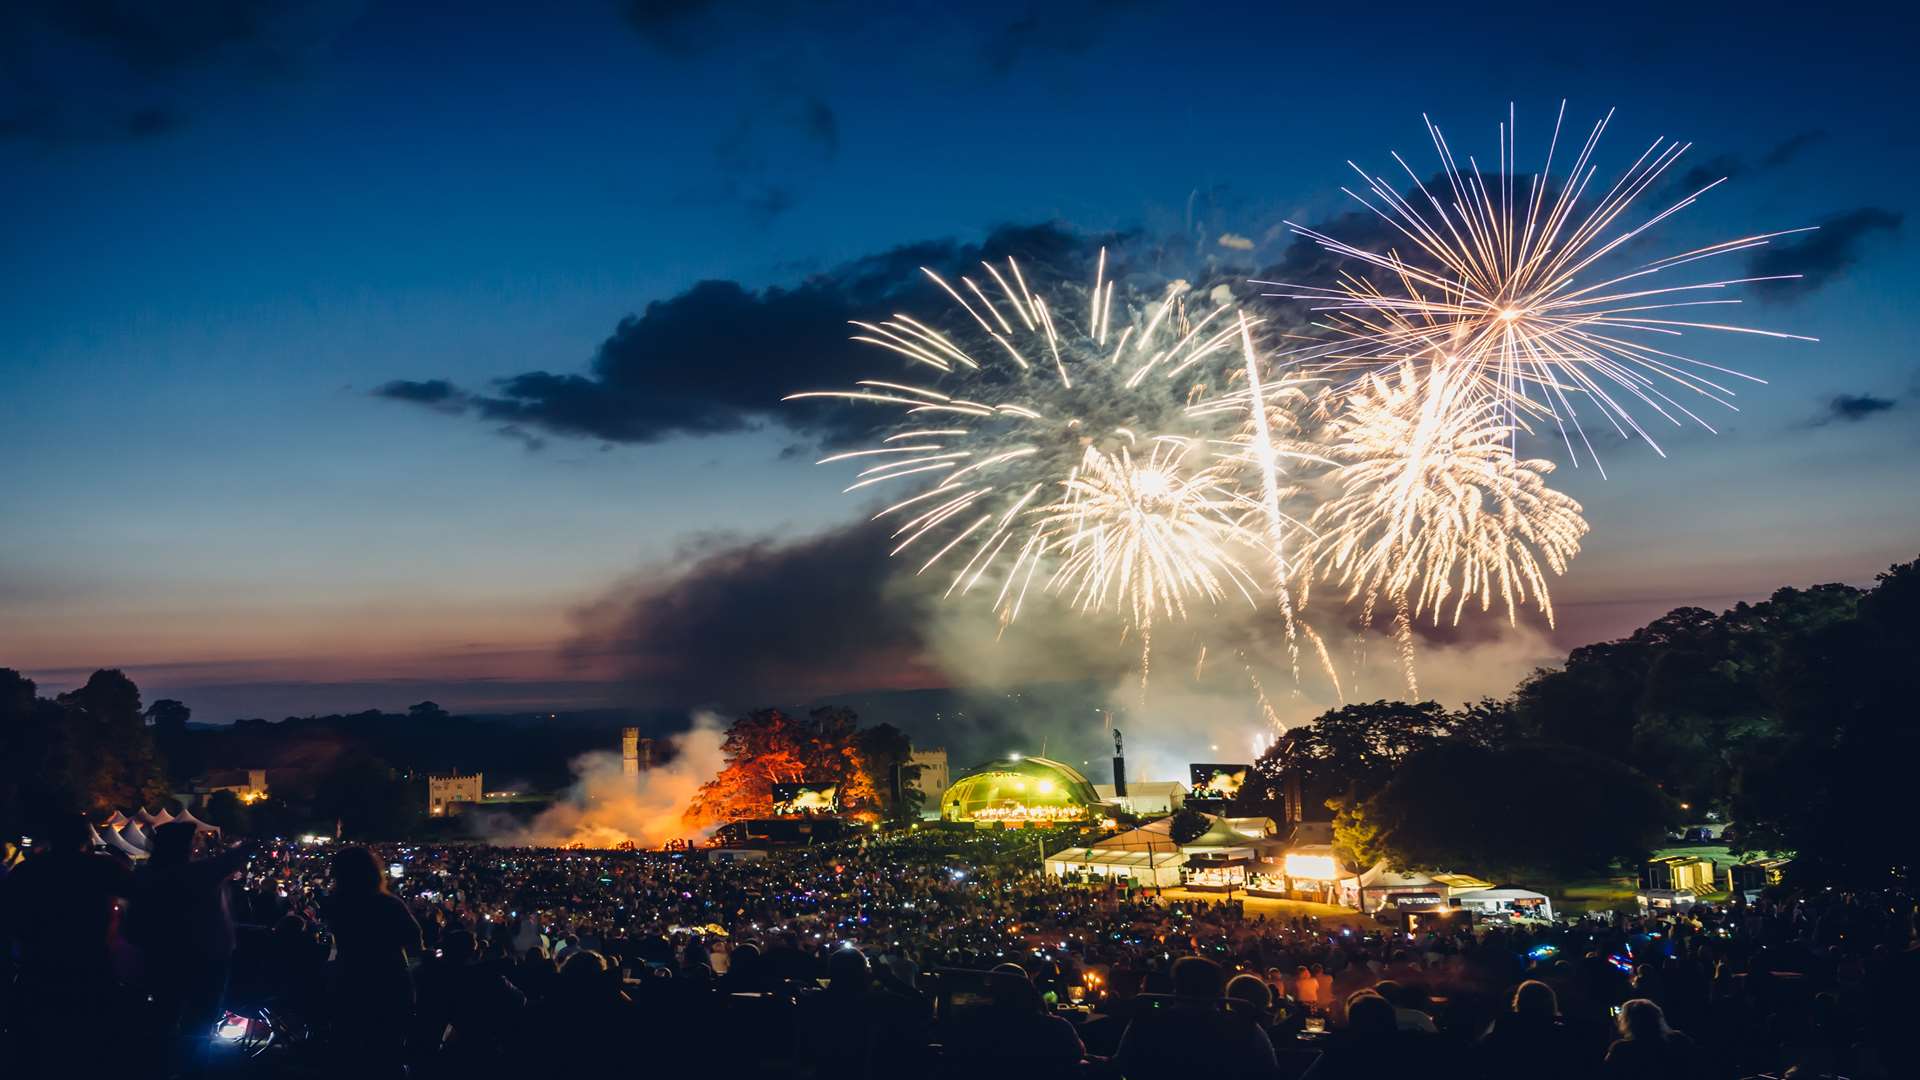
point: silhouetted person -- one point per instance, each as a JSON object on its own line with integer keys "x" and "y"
{"x": 57, "y": 910}
{"x": 1647, "y": 1048}
{"x": 184, "y": 928}
{"x": 1530, "y": 1039}
{"x": 373, "y": 934}
{"x": 583, "y": 1027}
{"x": 1406, "y": 1011}
{"x": 1160, "y": 1043}
{"x": 1014, "y": 1037}
{"x": 1371, "y": 1045}
{"x": 466, "y": 1008}
{"x": 1254, "y": 991}
{"x": 856, "y": 1028}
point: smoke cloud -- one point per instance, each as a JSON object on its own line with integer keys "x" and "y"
{"x": 1242, "y": 688}
{"x": 1218, "y": 710}
{"x": 607, "y": 809}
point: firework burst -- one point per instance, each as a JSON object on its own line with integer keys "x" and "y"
{"x": 1432, "y": 511}
{"x": 1141, "y": 536}
{"x": 1523, "y": 279}
{"x": 1062, "y": 449}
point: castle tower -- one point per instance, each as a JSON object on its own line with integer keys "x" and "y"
{"x": 630, "y": 751}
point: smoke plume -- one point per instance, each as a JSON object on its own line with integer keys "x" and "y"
{"x": 607, "y": 809}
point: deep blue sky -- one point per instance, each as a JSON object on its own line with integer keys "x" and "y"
{"x": 224, "y": 232}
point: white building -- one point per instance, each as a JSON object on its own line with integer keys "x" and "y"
{"x": 934, "y": 778}
{"x": 1146, "y": 798}
{"x": 444, "y": 791}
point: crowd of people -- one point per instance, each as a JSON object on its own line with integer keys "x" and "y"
{"x": 914, "y": 953}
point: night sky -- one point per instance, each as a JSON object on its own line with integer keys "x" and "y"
{"x": 318, "y": 394}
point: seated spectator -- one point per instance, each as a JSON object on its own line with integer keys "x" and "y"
{"x": 583, "y": 1026}
{"x": 1371, "y": 1045}
{"x": 848, "y": 1028}
{"x": 1161, "y": 1042}
{"x": 1014, "y": 1036}
{"x": 466, "y": 1008}
{"x": 1647, "y": 1047}
{"x": 1531, "y": 1039}
{"x": 1250, "y": 989}
{"x": 1404, "y": 999}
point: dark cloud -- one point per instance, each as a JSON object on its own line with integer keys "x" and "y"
{"x": 681, "y": 27}
{"x": 1718, "y": 167}
{"x": 521, "y": 435}
{"x": 108, "y": 69}
{"x": 719, "y": 357}
{"x": 1304, "y": 262}
{"x": 1821, "y": 257}
{"x": 1789, "y": 148}
{"x": 1729, "y": 166}
{"x": 761, "y": 620}
{"x": 818, "y": 121}
{"x": 769, "y": 202}
{"x": 438, "y": 392}
{"x": 1853, "y": 408}
{"x": 1060, "y": 27}
{"x": 767, "y": 150}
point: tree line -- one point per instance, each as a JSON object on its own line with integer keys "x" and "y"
{"x": 1795, "y": 719}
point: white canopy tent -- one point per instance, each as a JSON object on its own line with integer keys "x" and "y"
{"x": 198, "y": 825}
{"x": 133, "y": 835}
{"x": 116, "y": 839}
{"x": 1512, "y": 901}
{"x": 1142, "y": 867}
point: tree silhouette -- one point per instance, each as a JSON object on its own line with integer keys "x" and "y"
{"x": 1515, "y": 811}
{"x": 168, "y": 717}
{"x": 1188, "y": 826}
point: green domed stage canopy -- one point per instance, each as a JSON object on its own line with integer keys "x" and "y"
{"x": 1021, "y": 790}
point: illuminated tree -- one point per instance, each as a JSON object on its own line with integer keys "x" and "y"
{"x": 763, "y": 748}
{"x": 826, "y": 747}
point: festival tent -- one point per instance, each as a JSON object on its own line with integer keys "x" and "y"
{"x": 118, "y": 819}
{"x": 1381, "y": 886}
{"x": 1513, "y": 901}
{"x": 1140, "y": 867}
{"x": 132, "y": 834}
{"x": 1149, "y": 855}
{"x": 117, "y": 841}
{"x": 1146, "y": 856}
{"x": 198, "y": 825}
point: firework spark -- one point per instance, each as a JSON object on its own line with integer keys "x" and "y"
{"x": 1432, "y": 507}
{"x": 1522, "y": 279}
